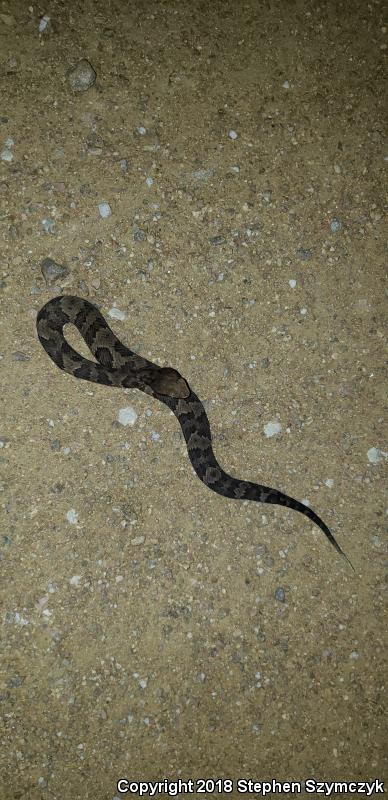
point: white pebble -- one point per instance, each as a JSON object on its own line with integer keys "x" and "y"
{"x": 75, "y": 580}
{"x": 292, "y": 283}
{"x": 143, "y": 683}
{"x": 149, "y": 181}
{"x": 138, "y": 540}
{"x": 115, "y": 313}
{"x": 105, "y": 210}
{"x": 127, "y": 416}
{"x": 43, "y": 23}
{"x": 72, "y": 516}
{"x": 48, "y": 225}
{"x": 6, "y": 155}
{"x": 142, "y": 130}
{"x": 329, "y": 482}
{"x": 375, "y": 455}
{"x": 303, "y": 311}
{"x": 19, "y": 620}
{"x": 272, "y": 428}
{"x": 232, "y": 135}
{"x": 335, "y": 225}
{"x": 286, "y": 85}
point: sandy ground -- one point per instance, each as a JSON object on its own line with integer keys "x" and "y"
{"x": 151, "y": 629}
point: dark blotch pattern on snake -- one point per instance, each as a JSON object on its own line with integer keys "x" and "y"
{"x": 118, "y": 366}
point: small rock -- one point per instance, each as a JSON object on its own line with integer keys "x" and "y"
{"x": 6, "y": 155}
{"x": 44, "y": 24}
{"x": 17, "y": 355}
{"x": 105, "y": 210}
{"x": 202, "y": 174}
{"x": 127, "y": 416}
{"x": 354, "y": 655}
{"x": 216, "y": 240}
{"x": 15, "y": 682}
{"x": 266, "y": 197}
{"x": 375, "y": 455}
{"x": 139, "y": 235}
{"x": 286, "y": 85}
{"x": 82, "y": 77}
{"x": 11, "y": 66}
{"x": 115, "y": 313}
{"x": 304, "y": 255}
{"x": 280, "y": 595}
{"x": 272, "y": 428}
{"x": 335, "y": 225}
{"x": 232, "y": 134}
{"x": 48, "y": 225}
{"x": 53, "y": 272}
{"x": 292, "y": 283}
{"x": 138, "y": 540}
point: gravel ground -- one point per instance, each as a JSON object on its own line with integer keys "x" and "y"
{"x": 211, "y": 176}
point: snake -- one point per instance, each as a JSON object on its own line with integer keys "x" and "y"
{"x": 117, "y": 365}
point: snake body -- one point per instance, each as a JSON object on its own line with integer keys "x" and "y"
{"x": 117, "y": 365}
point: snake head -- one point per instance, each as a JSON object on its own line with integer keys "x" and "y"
{"x": 169, "y": 382}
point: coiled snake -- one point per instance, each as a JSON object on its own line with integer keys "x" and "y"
{"x": 118, "y": 366}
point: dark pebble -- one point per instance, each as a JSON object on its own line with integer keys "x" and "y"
{"x": 52, "y": 272}
{"x": 304, "y": 255}
{"x": 139, "y": 235}
{"x": 16, "y": 682}
{"x": 82, "y": 76}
